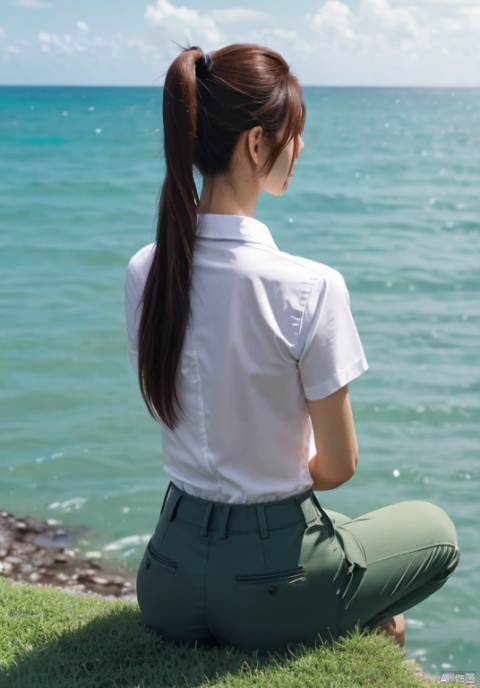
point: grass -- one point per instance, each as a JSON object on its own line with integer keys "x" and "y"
{"x": 52, "y": 639}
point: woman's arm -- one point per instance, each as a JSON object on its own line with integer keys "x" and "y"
{"x": 335, "y": 441}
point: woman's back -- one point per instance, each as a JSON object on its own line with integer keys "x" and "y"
{"x": 256, "y": 344}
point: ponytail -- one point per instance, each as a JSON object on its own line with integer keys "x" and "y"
{"x": 165, "y": 307}
{"x": 207, "y": 104}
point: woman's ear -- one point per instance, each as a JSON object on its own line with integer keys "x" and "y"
{"x": 253, "y": 145}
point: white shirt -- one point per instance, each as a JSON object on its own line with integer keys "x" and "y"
{"x": 267, "y": 331}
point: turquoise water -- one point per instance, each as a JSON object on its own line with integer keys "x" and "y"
{"x": 386, "y": 191}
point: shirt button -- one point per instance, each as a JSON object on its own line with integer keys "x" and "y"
{"x": 273, "y": 590}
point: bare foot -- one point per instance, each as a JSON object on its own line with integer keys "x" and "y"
{"x": 395, "y": 626}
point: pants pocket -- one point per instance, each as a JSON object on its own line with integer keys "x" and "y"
{"x": 296, "y": 574}
{"x": 273, "y": 610}
{"x": 164, "y": 562}
{"x": 157, "y": 589}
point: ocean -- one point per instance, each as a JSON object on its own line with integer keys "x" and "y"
{"x": 386, "y": 190}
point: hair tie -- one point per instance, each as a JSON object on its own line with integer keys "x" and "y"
{"x": 203, "y": 65}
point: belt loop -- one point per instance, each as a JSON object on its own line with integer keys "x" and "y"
{"x": 309, "y": 509}
{"x": 169, "y": 489}
{"x": 223, "y": 522}
{"x": 205, "y": 520}
{"x": 262, "y": 521}
{"x": 171, "y": 505}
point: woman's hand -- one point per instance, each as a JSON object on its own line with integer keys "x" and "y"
{"x": 335, "y": 441}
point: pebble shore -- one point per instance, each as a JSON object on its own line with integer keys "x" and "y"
{"x": 42, "y": 552}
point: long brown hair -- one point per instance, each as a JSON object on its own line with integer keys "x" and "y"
{"x": 208, "y": 101}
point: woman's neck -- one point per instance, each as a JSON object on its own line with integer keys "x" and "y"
{"x": 229, "y": 195}
{"x": 221, "y": 198}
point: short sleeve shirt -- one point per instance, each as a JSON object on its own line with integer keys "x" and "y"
{"x": 267, "y": 331}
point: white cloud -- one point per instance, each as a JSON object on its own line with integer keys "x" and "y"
{"x": 65, "y": 44}
{"x": 393, "y": 28}
{"x": 472, "y": 15}
{"x": 37, "y": 4}
{"x": 213, "y": 29}
{"x": 8, "y": 50}
{"x": 164, "y": 10}
{"x": 82, "y": 43}
{"x": 334, "y": 20}
{"x": 183, "y": 25}
{"x": 379, "y": 16}
{"x": 376, "y": 24}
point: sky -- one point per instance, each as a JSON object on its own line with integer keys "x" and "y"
{"x": 326, "y": 42}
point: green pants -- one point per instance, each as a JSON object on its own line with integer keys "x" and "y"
{"x": 263, "y": 576}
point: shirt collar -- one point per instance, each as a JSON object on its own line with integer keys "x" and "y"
{"x": 234, "y": 228}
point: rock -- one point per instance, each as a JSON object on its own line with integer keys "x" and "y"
{"x": 13, "y": 560}
{"x": 41, "y": 552}
{"x": 62, "y": 577}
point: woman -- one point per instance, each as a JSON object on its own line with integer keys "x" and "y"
{"x": 242, "y": 349}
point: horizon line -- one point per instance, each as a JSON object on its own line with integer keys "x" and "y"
{"x": 411, "y": 86}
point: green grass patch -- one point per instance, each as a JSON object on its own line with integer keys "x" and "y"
{"x": 52, "y": 639}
